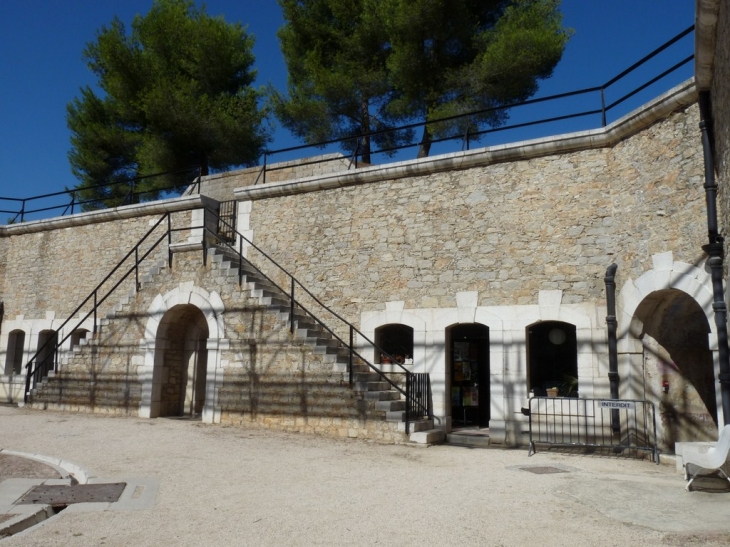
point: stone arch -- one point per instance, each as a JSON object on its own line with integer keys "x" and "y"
{"x": 200, "y": 314}
{"x": 677, "y": 372}
{"x": 667, "y": 278}
{"x": 395, "y": 314}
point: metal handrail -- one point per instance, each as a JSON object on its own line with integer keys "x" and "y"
{"x": 41, "y": 369}
{"x": 73, "y": 203}
{"x": 411, "y": 401}
{"x": 603, "y": 110}
{"x": 36, "y": 370}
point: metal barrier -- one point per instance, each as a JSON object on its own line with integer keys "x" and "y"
{"x": 615, "y": 424}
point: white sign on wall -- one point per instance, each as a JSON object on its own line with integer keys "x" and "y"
{"x": 622, "y": 405}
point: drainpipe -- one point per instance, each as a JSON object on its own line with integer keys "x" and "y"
{"x": 715, "y": 251}
{"x": 612, "y": 323}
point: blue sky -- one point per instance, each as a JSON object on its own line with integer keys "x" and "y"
{"x": 41, "y": 69}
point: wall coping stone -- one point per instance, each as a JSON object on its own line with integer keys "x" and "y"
{"x": 184, "y": 203}
{"x": 706, "y": 14}
{"x": 678, "y": 97}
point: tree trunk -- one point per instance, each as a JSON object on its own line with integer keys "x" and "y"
{"x": 365, "y": 141}
{"x": 424, "y": 147}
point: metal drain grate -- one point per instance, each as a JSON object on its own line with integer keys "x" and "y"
{"x": 543, "y": 470}
{"x": 77, "y": 493}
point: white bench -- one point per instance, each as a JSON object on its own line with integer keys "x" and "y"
{"x": 715, "y": 460}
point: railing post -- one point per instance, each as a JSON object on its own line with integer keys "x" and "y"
{"x": 73, "y": 201}
{"x": 408, "y": 404}
{"x": 136, "y": 269}
{"x": 291, "y": 308}
{"x": 95, "y": 293}
{"x": 22, "y": 212}
{"x": 55, "y": 353}
{"x": 352, "y": 337}
{"x": 27, "y": 381}
{"x": 603, "y": 107}
{"x": 169, "y": 241}
{"x": 240, "y": 261}
{"x": 265, "y": 158}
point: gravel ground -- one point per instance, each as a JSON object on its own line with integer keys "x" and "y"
{"x": 236, "y": 486}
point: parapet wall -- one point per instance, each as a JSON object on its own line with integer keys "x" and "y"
{"x": 506, "y": 230}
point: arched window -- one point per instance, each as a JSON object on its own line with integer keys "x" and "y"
{"x": 47, "y": 340}
{"x": 396, "y": 340}
{"x": 77, "y": 336}
{"x": 14, "y": 355}
{"x": 553, "y": 356}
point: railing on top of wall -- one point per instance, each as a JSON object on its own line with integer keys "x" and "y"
{"x": 46, "y": 359}
{"x": 127, "y": 192}
{"x": 468, "y": 133}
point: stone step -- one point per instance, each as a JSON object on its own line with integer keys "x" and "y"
{"x": 382, "y": 395}
{"x": 391, "y": 405}
{"x": 371, "y": 386}
{"x": 429, "y": 436}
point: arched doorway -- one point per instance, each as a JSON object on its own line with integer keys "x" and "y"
{"x": 552, "y": 351}
{"x": 678, "y": 372}
{"x": 468, "y": 363}
{"x": 14, "y": 354}
{"x": 181, "y": 358}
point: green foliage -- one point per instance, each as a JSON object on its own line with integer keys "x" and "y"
{"x": 176, "y": 94}
{"x": 338, "y": 80}
{"x": 412, "y": 59}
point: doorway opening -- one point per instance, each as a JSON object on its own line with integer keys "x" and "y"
{"x": 14, "y": 355}
{"x": 468, "y": 363}
{"x": 182, "y": 359}
{"x": 678, "y": 370}
{"x": 552, "y": 350}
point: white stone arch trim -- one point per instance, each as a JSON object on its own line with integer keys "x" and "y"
{"x": 213, "y": 308}
{"x": 667, "y": 274}
{"x": 394, "y": 313}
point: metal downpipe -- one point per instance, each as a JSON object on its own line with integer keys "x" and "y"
{"x": 715, "y": 250}
{"x": 612, "y": 324}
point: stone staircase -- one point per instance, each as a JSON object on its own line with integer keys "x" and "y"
{"x": 374, "y": 398}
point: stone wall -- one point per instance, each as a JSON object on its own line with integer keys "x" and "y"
{"x": 220, "y": 186}
{"x": 263, "y": 375}
{"x": 54, "y": 270}
{"x": 720, "y": 94}
{"x": 506, "y": 231}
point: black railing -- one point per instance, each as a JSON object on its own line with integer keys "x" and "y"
{"x": 46, "y": 359}
{"x": 469, "y": 131}
{"x": 416, "y": 391}
{"x": 570, "y": 422}
{"x": 74, "y": 200}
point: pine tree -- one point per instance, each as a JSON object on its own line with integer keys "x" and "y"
{"x": 176, "y": 93}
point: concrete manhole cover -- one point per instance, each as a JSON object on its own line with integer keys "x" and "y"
{"x": 77, "y": 493}
{"x": 544, "y": 470}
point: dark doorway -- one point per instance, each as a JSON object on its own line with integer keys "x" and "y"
{"x": 181, "y": 339}
{"x": 469, "y": 364}
{"x": 679, "y": 374}
{"x": 14, "y": 355}
{"x": 552, "y": 351}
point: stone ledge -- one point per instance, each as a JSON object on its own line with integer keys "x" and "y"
{"x": 185, "y": 203}
{"x": 678, "y": 97}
